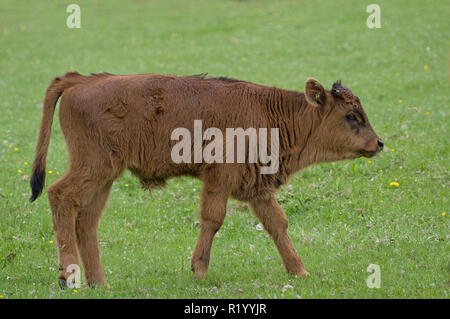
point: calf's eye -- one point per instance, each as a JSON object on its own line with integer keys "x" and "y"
{"x": 351, "y": 117}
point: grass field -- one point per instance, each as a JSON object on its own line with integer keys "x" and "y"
{"x": 343, "y": 216}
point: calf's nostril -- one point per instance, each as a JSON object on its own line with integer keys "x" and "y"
{"x": 380, "y": 144}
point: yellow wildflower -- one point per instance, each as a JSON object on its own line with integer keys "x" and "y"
{"x": 427, "y": 113}
{"x": 400, "y": 101}
{"x": 19, "y": 171}
{"x": 16, "y": 149}
{"x": 443, "y": 214}
{"x": 50, "y": 241}
{"x": 395, "y": 184}
{"x": 75, "y": 290}
{"x": 25, "y": 163}
{"x": 31, "y": 212}
{"x": 126, "y": 185}
{"x": 50, "y": 172}
{"x": 425, "y": 67}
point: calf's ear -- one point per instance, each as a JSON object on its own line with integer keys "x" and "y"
{"x": 314, "y": 92}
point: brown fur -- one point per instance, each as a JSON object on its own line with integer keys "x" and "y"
{"x": 113, "y": 122}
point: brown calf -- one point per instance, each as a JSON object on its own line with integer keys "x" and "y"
{"x": 113, "y": 122}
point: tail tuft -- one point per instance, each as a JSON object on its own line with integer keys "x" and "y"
{"x": 37, "y": 182}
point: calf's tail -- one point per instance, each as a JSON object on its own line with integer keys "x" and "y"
{"x": 54, "y": 91}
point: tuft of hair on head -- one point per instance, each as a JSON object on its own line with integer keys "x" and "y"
{"x": 337, "y": 88}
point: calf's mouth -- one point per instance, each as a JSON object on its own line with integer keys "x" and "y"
{"x": 369, "y": 154}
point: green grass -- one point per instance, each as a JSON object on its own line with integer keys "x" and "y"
{"x": 343, "y": 216}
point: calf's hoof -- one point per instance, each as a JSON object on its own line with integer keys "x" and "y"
{"x": 62, "y": 279}
{"x": 199, "y": 274}
{"x": 98, "y": 284}
{"x": 200, "y": 269}
{"x": 66, "y": 280}
{"x": 302, "y": 273}
{"x": 62, "y": 283}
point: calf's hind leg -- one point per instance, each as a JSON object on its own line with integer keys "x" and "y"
{"x": 64, "y": 204}
{"x": 87, "y": 239}
{"x": 67, "y": 197}
{"x": 275, "y": 222}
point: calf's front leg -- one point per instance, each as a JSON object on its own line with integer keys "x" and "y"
{"x": 213, "y": 211}
{"x": 275, "y": 222}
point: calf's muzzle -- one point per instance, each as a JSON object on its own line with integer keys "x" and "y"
{"x": 374, "y": 146}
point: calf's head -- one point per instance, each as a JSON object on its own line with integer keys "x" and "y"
{"x": 344, "y": 131}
